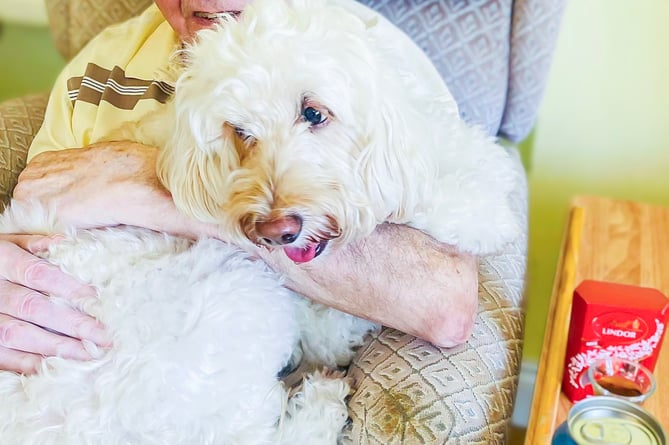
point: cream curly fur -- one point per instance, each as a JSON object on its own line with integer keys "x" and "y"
{"x": 391, "y": 150}
{"x": 200, "y": 333}
{"x": 201, "y": 330}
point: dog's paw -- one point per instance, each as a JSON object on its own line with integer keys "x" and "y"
{"x": 330, "y": 337}
{"x": 317, "y": 411}
{"x": 339, "y": 374}
{"x": 477, "y": 236}
{"x": 489, "y": 236}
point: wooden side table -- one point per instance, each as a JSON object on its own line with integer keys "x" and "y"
{"x": 608, "y": 240}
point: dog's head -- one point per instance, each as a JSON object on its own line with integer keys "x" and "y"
{"x": 286, "y": 130}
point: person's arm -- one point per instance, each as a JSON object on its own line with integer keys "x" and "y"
{"x": 398, "y": 276}
{"x": 105, "y": 184}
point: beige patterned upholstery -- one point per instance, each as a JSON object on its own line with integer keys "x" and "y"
{"x": 19, "y": 121}
{"x": 494, "y": 56}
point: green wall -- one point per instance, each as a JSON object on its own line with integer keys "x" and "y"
{"x": 603, "y": 128}
{"x": 29, "y": 62}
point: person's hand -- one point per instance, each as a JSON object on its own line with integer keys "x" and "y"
{"x": 32, "y": 326}
{"x": 101, "y": 185}
{"x": 105, "y": 184}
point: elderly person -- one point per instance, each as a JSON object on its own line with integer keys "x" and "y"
{"x": 397, "y": 276}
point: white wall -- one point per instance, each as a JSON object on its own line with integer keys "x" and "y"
{"x": 23, "y": 11}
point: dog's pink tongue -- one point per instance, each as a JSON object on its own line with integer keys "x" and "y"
{"x": 301, "y": 254}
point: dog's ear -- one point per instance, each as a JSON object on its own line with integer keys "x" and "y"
{"x": 196, "y": 169}
{"x": 392, "y": 162}
{"x": 404, "y": 116}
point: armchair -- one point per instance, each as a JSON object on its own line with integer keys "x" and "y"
{"x": 494, "y": 56}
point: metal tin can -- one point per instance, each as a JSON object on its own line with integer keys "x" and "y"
{"x": 611, "y": 421}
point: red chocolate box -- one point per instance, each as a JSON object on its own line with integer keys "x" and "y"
{"x": 612, "y": 320}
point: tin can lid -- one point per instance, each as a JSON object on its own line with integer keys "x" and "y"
{"x": 612, "y": 421}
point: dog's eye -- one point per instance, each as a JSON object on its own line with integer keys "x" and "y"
{"x": 313, "y": 116}
{"x": 243, "y": 135}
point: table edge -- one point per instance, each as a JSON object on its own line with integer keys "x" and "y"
{"x": 543, "y": 410}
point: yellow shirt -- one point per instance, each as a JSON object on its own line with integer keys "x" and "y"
{"x": 114, "y": 79}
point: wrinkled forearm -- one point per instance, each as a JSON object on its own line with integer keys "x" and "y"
{"x": 106, "y": 184}
{"x": 398, "y": 277}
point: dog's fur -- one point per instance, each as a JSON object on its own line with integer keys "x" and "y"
{"x": 201, "y": 330}
{"x": 391, "y": 150}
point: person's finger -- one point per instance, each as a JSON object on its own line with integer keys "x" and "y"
{"x": 21, "y": 267}
{"x": 32, "y": 243}
{"x": 23, "y": 336}
{"x": 29, "y": 305}
{"x": 25, "y": 273}
{"x": 19, "y": 361}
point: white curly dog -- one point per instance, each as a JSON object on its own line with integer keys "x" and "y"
{"x": 296, "y": 127}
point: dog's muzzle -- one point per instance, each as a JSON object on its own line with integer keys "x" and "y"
{"x": 279, "y": 231}
{"x": 284, "y": 230}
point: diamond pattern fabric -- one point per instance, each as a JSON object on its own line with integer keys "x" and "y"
{"x": 469, "y": 45}
{"x": 535, "y": 29}
{"x": 19, "y": 121}
{"x": 494, "y": 55}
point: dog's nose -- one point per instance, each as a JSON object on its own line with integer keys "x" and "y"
{"x": 279, "y": 231}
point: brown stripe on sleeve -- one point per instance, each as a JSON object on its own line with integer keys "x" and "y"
{"x": 73, "y": 85}
{"x": 115, "y": 88}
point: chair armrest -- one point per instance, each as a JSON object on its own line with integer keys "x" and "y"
{"x": 20, "y": 119}
{"x": 409, "y": 391}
